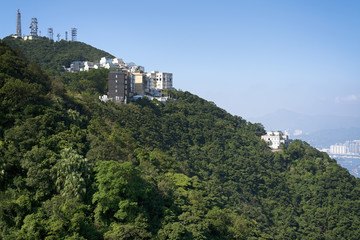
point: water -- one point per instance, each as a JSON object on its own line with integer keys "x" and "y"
{"x": 351, "y": 163}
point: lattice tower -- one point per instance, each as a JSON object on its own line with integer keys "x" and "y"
{"x": 34, "y": 27}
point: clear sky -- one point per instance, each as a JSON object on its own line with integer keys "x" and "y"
{"x": 251, "y": 57}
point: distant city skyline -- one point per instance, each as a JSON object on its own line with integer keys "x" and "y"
{"x": 251, "y": 58}
{"x": 349, "y": 147}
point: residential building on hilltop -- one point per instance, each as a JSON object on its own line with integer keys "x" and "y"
{"x": 118, "y": 62}
{"x": 160, "y": 80}
{"x": 136, "y": 69}
{"x": 105, "y": 60}
{"x": 275, "y": 139}
{"x": 127, "y": 80}
{"x": 88, "y": 66}
{"x": 76, "y": 66}
{"x": 121, "y": 87}
{"x": 140, "y": 83}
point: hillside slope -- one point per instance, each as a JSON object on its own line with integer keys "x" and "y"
{"x": 77, "y": 168}
{"x": 53, "y": 55}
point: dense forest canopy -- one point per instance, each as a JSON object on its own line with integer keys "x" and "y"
{"x": 72, "y": 167}
{"x": 52, "y": 55}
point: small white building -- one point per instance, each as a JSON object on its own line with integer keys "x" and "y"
{"x": 275, "y": 139}
{"x": 109, "y": 65}
{"x": 118, "y": 62}
{"x": 105, "y": 60}
{"x": 137, "y": 69}
{"x": 88, "y": 66}
{"x": 77, "y": 66}
{"x": 30, "y": 37}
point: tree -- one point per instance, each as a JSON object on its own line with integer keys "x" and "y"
{"x": 72, "y": 173}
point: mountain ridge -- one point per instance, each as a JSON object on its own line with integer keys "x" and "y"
{"x": 52, "y": 55}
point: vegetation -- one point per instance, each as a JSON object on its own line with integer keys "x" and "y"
{"x": 52, "y": 55}
{"x": 72, "y": 167}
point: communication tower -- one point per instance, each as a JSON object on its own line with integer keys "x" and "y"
{"x": 73, "y": 34}
{"x": 51, "y": 33}
{"x": 66, "y": 36}
{"x": 34, "y": 27}
{"x": 18, "y": 24}
{"x": 58, "y": 37}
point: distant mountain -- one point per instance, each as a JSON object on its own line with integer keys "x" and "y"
{"x": 298, "y": 123}
{"x": 51, "y": 55}
{"x": 325, "y": 138}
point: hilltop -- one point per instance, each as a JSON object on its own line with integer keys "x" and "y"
{"x": 52, "y": 55}
{"x": 72, "y": 167}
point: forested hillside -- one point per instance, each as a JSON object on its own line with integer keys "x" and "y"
{"x": 72, "y": 167}
{"x": 53, "y": 55}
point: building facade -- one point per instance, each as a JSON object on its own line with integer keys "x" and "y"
{"x": 160, "y": 80}
{"x": 140, "y": 83}
{"x": 120, "y": 86}
{"x": 76, "y": 66}
{"x": 276, "y": 139}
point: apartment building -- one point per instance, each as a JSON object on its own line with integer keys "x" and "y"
{"x": 349, "y": 147}
{"x": 121, "y": 87}
{"x": 160, "y": 80}
{"x": 140, "y": 81}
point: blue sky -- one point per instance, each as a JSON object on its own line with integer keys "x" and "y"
{"x": 250, "y": 57}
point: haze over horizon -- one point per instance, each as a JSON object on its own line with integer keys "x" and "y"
{"x": 251, "y": 58}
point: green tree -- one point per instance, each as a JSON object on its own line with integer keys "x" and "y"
{"x": 72, "y": 173}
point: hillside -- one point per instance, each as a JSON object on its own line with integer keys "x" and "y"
{"x": 72, "y": 167}
{"x": 53, "y": 55}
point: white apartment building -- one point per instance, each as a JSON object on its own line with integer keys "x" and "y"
{"x": 349, "y": 147}
{"x": 160, "y": 80}
{"x": 338, "y": 149}
{"x": 275, "y": 139}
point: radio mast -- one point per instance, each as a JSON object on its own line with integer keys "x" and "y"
{"x": 18, "y": 24}
{"x": 34, "y": 27}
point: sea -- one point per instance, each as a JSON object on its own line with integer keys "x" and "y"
{"x": 351, "y": 163}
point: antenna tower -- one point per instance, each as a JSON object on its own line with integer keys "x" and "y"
{"x": 34, "y": 27}
{"x": 66, "y": 38}
{"x": 18, "y": 24}
{"x": 58, "y": 37}
{"x": 51, "y": 33}
{"x": 73, "y": 34}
